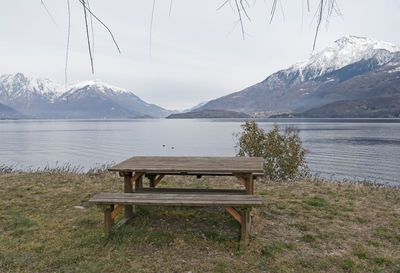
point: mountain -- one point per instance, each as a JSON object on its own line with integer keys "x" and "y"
{"x": 208, "y": 113}
{"x": 7, "y": 112}
{"x": 386, "y": 106}
{"x": 92, "y": 99}
{"x": 26, "y": 95}
{"x": 333, "y": 74}
{"x": 96, "y": 99}
{"x": 194, "y": 108}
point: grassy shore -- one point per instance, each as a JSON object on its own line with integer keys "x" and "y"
{"x": 305, "y": 226}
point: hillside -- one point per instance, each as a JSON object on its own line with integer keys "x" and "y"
{"x": 387, "y": 106}
{"x": 7, "y": 112}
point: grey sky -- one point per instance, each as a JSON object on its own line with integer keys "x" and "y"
{"x": 197, "y": 53}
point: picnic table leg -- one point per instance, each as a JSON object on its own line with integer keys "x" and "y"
{"x": 108, "y": 221}
{"x": 139, "y": 184}
{"x": 247, "y": 181}
{"x": 250, "y": 184}
{"x": 151, "y": 180}
{"x": 245, "y": 228}
{"x": 128, "y": 188}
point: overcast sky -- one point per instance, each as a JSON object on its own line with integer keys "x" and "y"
{"x": 197, "y": 52}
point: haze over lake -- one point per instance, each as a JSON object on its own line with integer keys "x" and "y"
{"x": 338, "y": 148}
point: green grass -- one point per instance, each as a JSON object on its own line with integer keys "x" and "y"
{"x": 305, "y": 226}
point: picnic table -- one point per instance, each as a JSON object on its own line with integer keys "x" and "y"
{"x": 237, "y": 202}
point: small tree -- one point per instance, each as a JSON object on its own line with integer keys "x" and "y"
{"x": 284, "y": 156}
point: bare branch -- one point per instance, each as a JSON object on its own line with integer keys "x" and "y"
{"x": 283, "y": 12}
{"x": 48, "y": 12}
{"x": 244, "y": 9}
{"x": 87, "y": 35}
{"x": 170, "y": 8}
{"x": 223, "y": 4}
{"x": 273, "y": 9}
{"x": 151, "y": 26}
{"x": 240, "y": 17}
{"x": 91, "y": 26}
{"x": 104, "y": 25}
{"x": 321, "y": 10}
{"x": 67, "y": 49}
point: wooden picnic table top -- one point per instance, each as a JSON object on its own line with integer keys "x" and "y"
{"x": 190, "y": 165}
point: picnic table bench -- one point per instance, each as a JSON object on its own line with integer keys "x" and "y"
{"x": 237, "y": 202}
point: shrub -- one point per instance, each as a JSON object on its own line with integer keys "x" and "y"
{"x": 284, "y": 156}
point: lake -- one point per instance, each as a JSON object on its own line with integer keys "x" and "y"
{"x": 352, "y": 149}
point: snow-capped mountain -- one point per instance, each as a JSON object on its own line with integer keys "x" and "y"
{"x": 27, "y": 95}
{"x": 345, "y": 51}
{"x": 91, "y": 99}
{"x": 310, "y": 83}
{"x": 17, "y": 85}
{"x": 97, "y": 99}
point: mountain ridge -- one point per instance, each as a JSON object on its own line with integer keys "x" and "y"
{"x": 306, "y": 84}
{"x": 41, "y": 98}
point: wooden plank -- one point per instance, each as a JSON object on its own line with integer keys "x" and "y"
{"x": 211, "y": 165}
{"x": 158, "y": 179}
{"x": 115, "y": 212}
{"x": 179, "y": 199}
{"x": 188, "y": 196}
{"x": 155, "y": 173}
{"x": 199, "y": 191}
{"x": 187, "y": 203}
{"x": 234, "y": 213}
{"x": 128, "y": 189}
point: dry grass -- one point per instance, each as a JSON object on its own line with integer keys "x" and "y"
{"x": 307, "y": 226}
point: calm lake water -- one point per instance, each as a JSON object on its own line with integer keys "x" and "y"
{"x": 338, "y": 148}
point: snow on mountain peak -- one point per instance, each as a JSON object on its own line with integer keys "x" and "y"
{"x": 15, "y": 85}
{"x": 344, "y": 51}
{"x": 101, "y": 86}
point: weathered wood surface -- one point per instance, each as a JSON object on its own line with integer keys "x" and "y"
{"x": 128, "y": 189}
{"x": 108, "y": 221}
{"x": 235, "y": 214}
{"x": 190, "y": 165}
{"x": 168, "y": 199}
{"x": 198, "y": 191}
{"x": 245, "y": 224}
{"x": 115, "y": 211}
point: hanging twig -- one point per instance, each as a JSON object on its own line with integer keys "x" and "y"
{"x": 87, "y": 35}
{"x": 244, "y": 9}
{"x": 91, "y": 26}
{"x": 321, "y": 9}
{"x": 67, "y": 50}
{"x": 151, "y": 26}
{"x": 273, "y": 9}
{"x": 104, "y": 25}
{"x": 223, "y": 4}
{"x": 170, "y": 8}
{"x": 240, "y": 17}
{"x": 48, "y": 12}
